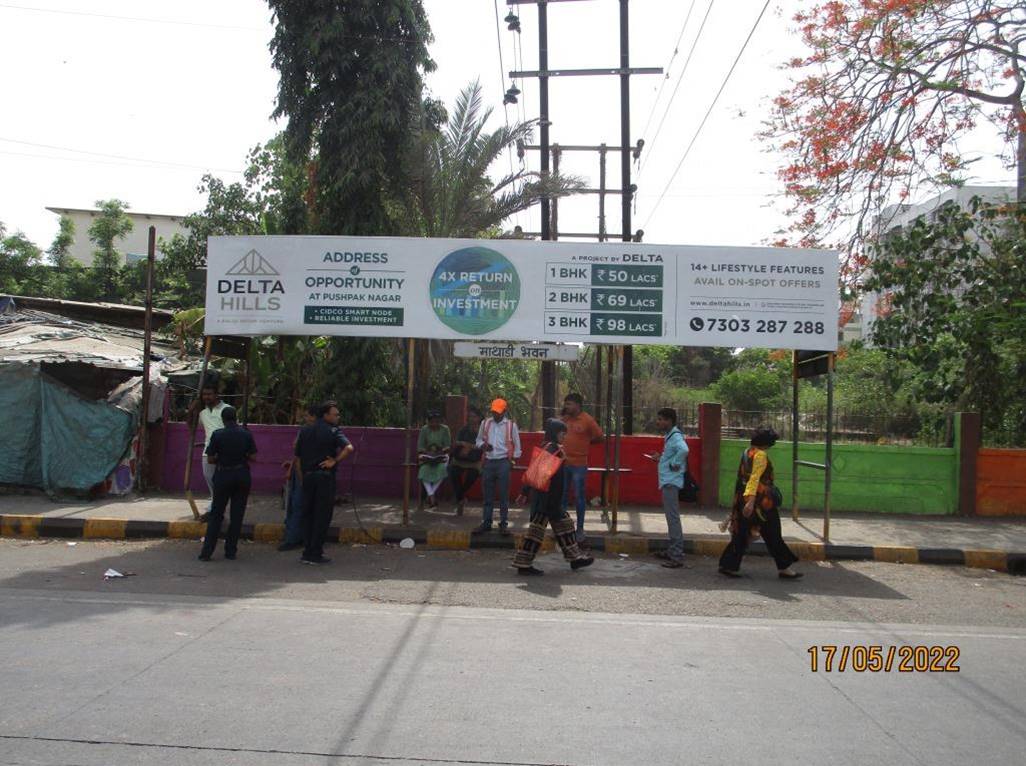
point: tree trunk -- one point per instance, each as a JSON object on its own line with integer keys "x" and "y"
{"x": 1020, "y": 156}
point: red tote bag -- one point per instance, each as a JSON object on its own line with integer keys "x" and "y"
{"x": 542, "y": 468}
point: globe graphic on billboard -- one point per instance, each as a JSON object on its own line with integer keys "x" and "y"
{"x": 475, "y": 290}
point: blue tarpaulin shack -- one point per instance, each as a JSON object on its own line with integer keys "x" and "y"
{"x": 70, "y": 390}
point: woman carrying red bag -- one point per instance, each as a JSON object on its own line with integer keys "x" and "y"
{"x": 547, "y": 508}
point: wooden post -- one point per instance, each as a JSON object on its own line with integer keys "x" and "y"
{"x": 192, "y": 431}
{"x": 407, "y": 457}
{"x": 249, "y": 386}
{"x": 144, "y": 442}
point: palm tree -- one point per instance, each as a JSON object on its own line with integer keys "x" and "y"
{"x": 452, "y": 195}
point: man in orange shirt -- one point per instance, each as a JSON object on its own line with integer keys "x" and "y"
{"x": 581, "y": 432}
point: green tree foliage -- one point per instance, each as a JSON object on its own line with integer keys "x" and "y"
{"x": 350, "y": 88}
{"x": 19, "y": 262}
{"x": 60, "y": 248}
{"x": 954, "y": 288}
{"x": 111, "y": 225}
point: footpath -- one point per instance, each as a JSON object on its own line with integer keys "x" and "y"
{"x": 989, "y": 543}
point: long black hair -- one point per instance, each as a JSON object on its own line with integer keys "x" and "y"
{"x": 764, "y": 437}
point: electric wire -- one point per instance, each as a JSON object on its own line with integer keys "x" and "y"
{"x": 114, "y": 156}
{"x": 708, "y": 112}
{"x": 669, "y": 64}
{"x": 676, "y": 88}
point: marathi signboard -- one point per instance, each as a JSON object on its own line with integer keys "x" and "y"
{"x": 537, "y": 352}
{"x": 459, "y": 289}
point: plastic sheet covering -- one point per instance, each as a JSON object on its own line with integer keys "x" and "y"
{"x": 53, "y": 439}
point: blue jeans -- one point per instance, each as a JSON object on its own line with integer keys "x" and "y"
{"x": 294, "y": 509}
{"x": 495, "y": 480}
{"x": 577, "y": 475}
{"x": 671, "y": 507}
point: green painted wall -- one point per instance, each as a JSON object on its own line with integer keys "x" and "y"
{"x": 865, "y": 478}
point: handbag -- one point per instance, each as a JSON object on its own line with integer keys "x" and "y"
{"x": 689, "y": 492}
{"x": 542, "y": 468}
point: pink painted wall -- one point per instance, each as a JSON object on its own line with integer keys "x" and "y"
{"x": 376, "y": 470}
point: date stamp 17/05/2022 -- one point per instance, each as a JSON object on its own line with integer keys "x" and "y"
{"x": 872, "y": 658}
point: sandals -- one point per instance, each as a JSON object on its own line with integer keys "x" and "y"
{"x": 790, "y": 575}
{"x": 529, "y": 571}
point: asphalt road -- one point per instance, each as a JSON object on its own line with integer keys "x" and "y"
{"x": 413, "y": 657}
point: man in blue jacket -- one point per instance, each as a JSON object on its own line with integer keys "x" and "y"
{"x": 672, "y": 462}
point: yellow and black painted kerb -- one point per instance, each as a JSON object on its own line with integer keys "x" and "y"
{"x": 30, "y": 527}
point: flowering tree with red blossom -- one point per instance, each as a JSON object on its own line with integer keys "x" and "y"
{"x": 875, "y": 110}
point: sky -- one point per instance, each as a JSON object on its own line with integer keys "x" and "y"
{"x": 137, "y": 99}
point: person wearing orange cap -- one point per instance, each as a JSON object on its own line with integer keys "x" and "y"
{"x": 499, "y": 438}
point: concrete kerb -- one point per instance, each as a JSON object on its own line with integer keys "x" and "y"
{"x": 32, "y": 527}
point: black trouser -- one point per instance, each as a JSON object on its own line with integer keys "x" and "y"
{"x": 318, "y": 507}
{"x": 462, "y": 480}
{"x": 771, "y": 535}
{"x": 231, "y": 485}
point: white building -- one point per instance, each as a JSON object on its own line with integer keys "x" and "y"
{"x": 895, "y": 218}
{"x": 133, "y": 245}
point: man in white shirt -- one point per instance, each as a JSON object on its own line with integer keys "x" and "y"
{"x": 210, "y": 419}
{"x": 499, "y": 437}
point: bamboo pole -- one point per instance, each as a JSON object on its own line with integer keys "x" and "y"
{"x": 144, "y": 441}
{"x": 407, "y": 457}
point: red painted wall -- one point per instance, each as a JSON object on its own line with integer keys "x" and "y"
{"x": 376, "y": 470}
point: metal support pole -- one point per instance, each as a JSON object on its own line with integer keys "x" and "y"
{"x": 144, "y": 441}
{"x": 616, "y": 441}
{"x": 192, "y": 430}
{"x": 407, "y": 457}
{"x": 794, "y": 435}
{"x": 829, "y": 462}
{"x": 554, "y": 228}
{"x": 608, "y": 426}
{"x": 602, "y": 193}
{"x": 627, "y": 381}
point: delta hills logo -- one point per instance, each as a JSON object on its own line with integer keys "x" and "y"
{"x": 254, "y": 285}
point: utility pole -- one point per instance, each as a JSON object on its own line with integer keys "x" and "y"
{"x": 626, "y": 197}
{"x": 548, "y": 369}
{"x": 626, "y": 190}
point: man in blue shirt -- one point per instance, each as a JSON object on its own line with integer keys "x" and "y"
{"x": 673, "y": 460}
{"x": 320, "y": 447}
{"x": 229, "y": 451}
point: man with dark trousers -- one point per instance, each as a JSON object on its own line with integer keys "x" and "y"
{"x": 229, "y": 451}
{"x": 320, "y": 447}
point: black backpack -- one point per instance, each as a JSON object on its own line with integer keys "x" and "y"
{"x": 689, "y": 492}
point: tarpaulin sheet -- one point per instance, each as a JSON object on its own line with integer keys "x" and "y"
{"x": 54, "y": 439}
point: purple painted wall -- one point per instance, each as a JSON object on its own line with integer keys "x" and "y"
{"x": 376, "y": 470}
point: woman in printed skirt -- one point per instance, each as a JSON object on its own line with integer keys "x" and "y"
{"x": 756, "y": 510}
{"x": 547, "y": 508}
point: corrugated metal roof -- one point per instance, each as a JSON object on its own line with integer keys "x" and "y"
{"x": 32, "y": 336}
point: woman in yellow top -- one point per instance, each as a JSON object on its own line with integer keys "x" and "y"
{"x": 757, "y": 510}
